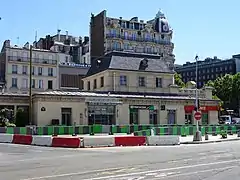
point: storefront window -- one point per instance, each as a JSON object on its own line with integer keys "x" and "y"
{"x": 171, "y": 116}
{"x": 133, "y": 116}
{"x": 204, "y": 118}
{"x": 103, "y": 114}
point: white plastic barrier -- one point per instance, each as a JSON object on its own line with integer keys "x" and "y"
{"x": 98, "y": 141}
{"x": 6, "y": 138}
{"x": 42, "y": 140}
{"x": 163, "y": 140}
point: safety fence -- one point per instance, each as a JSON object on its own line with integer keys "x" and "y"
{"x": 108, "y": 129}
{"x": 188, "y": 130}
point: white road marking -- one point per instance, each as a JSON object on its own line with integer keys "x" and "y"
{"x": 197, "y": 172}
{"x": 130, "y": 174}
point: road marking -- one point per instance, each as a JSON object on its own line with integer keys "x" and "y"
{"x": 129, "y": 174}
{"x": 196, "y": 172}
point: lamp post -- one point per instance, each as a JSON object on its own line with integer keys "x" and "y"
{"x": 30, "y": 86}
{"x": 197, "y": 136}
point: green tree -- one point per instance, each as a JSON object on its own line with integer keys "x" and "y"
{"x": 223, "y": 88}
{"x": 178, "y": 80}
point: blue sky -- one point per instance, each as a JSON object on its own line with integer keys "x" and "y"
{"x": 207, "y": 27}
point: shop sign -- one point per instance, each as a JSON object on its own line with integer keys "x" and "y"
{"x": 103, "y": 100}
{"x": 148, "y": 107}
{"x": 202, "y": 108}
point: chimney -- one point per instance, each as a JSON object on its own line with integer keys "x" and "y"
{"x": 58, "y": 32}
{"x": 66, "y": 34}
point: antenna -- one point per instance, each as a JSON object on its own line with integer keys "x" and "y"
{"x": 36, "y": 36}
{"x": 18, "y": 40}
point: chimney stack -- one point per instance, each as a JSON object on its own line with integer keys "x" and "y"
{"x": 58, "y": 32}
{"x": 66, "y": 34}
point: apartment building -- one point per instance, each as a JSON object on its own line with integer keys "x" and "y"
{"x": 209, "y": 69}
{"x": 76, "y": 47}
{"x": 118, "y": 34}
{"x": 15, "y": 63}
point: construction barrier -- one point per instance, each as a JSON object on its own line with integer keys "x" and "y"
{"x": 163, "y": 140}
{"x": 98, "y": 141}
{"x": 66, "y": 142}
{"x": 22, "y": 139}
{"x": 42, "y": 140}
{"x": 130, "y": 141}
{"x": 140, "y": 130}
{"x": 6, "y": 138}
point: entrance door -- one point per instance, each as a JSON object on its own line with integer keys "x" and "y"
{"x": 66, "y": 116}
{"x": 153, "y": 116}
{"x": 188, "y": 118}
{"x": 171, "y": 116}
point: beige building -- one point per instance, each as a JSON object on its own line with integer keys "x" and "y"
{"x": 121, "y": 88}
{"x": 17, "y": 68}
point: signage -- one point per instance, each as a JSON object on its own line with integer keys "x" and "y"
{"x": 148, "y": 107}
{"x": 198, "y": 116}
{"x": 201, "y": 108}
{"x": 103, "y": 100}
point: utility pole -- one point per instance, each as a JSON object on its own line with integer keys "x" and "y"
{"x": 30, "y": 87}
{"x": 197, "y": 135}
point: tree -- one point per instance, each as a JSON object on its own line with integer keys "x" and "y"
{"x": 178, "y": 80}
{"x": 223, "y": 88}
{"x": 4, "y": 114}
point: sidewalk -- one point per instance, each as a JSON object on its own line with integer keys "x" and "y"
{"x": 212, "y": 139}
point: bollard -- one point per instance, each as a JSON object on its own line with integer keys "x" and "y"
{"x": 224, "y": 134}
{"x": 238, "y": 133}
{"x": 206, "y": 136}
{"x": 110, "y": 133}
{"x": 92, "y": 132}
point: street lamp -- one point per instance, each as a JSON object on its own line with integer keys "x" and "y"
{"x": 197, "y": 136}
{"x": 30, "y": 87}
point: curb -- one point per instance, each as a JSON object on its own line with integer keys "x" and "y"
{"x": 207, "y": 142}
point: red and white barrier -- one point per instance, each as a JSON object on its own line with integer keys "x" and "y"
{"x": 6, "y": 138}
{"x": 42, "y": 140}
{"x": 130, "y": 141}
{"x": 89, "y": 141}
{"x": 22, "y": 139}
{"x": 98, "y": 141}
{"x": 66, "y": 142}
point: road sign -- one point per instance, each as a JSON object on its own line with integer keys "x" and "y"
{"x": 197, "y": 116}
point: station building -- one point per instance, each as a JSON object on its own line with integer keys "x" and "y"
{"x": 121, "y": 88}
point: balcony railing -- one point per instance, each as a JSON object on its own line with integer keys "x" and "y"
{"x": 139, "y": 39}
{"x": 34, "y": 60}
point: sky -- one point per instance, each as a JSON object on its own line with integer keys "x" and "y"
{"x": 204, "y": 27}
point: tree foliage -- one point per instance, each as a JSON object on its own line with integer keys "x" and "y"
{"x": 178, "y": 80}
{"x": 227, "y": 89}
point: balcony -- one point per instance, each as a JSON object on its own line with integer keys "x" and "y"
{"x": 34, "y": 60}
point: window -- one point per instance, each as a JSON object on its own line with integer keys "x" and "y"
{"x": 14, "y": 69}
{"x": 33, "y": 70}
{"x": 50, "y": 71}
{"x": 14, "y": 82}
{"x": 40, "y": 84}
{"x": 25, "y": 83}
{"x": 88, "y": 85}
{"x": 123, "y": 80}
{"x": 141, "y": 81}
{"x": 24, "y": 70}
{"x": 95, "y": 84}
{"x": 40, "y": 69}
{"x": 33, "y": 83}
{"x": 159, "y": 82}
{"x": 66, "y": 60}
{"x": 102, "y": 81}
{"x": 50, "y": 84}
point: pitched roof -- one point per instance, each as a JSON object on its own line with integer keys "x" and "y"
{"x": 129, "y": 62}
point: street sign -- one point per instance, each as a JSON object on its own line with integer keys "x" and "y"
{"x": 197, "y": 116}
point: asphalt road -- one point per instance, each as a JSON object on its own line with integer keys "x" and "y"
{"x": 218, "y": 161}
